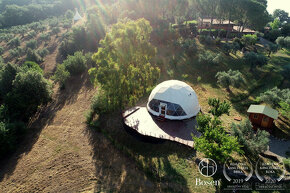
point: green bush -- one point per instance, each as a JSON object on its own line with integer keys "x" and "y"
{"x": 7, "y": 75}
{"x": 205, "y": 39}
{"x": 31, "y": 34}
{"x": 61, "y": 75}
{"x": 44, "y": 37}
{"x": 206, "y": 58}
{"x": 28, "y": 65}
{"x": 29, "y": 91}
{"x": 252, "y": 142}
{"x": 15, "y": 53}
{"x": 218, "y": 108}
{"x": 75, "y": 64}
{"x": 272, "y": 35}
{"x": 1, "y": 50}
{"x": 275, "y": 95}
{"x": 15, "y": 42}
{"x": 283, "y": 42}
{"x": 249, "y": 39}
{"x": 33, "y": 56}
{"x": 55, "y": 31}
{"x": 188, "y": 45}
{"x": 43, "y": 52}
{"x": 69, "y": 14}
{"x": 255, "y": 59}
{"x": 32, "y": 44}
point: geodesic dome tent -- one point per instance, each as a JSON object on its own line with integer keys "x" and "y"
{"x": 174, "y": 100}
{"x": 77, "y": 16}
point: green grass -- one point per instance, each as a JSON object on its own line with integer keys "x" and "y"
{"x": 172, "y": 165}
{"x": 169, "y": 164}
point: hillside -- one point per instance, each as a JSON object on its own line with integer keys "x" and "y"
{"x": 60, "y": 154}
{"x": 65, "y": 83}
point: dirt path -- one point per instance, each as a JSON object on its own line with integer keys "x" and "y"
{"x": 62, "y": 155}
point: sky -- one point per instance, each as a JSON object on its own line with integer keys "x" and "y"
{"x": 278, "y": 4}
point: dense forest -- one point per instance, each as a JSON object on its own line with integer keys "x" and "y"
{"x": 125, "y": 47}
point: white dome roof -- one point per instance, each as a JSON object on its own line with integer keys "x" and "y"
{"x": 174, "y": 93}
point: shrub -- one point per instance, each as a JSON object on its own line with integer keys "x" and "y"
{"x": 271, "y": 48}
{"x": 272, "y": 35}
{"x": 227, "y": 48}
{"x": 205, "y": 39}
{"x": 285, "y": 109}
{"x": 239, "y": 41}
{"x": 69, "y": 14}
{"x": 32, "y": 44}
{"x": 218, "y": 108}
{"x": 28, "y": 65}
{"x": 255, "y": 59}
{"x": 75, "y": 64}
{"x": 252, "y": 142}
{"x": 29, "y": 91}
{"x": 7, "y": 75}
{"x": 7, "y": 139}
{"x": 275, "y": 95}
{"x": 43, "y": 52}
{"x": 214, "y": 142}
{"x": 1, "y": 50}
{"x": 15, "y": 53}
{"x": 15, "y": 42}
{"x": 55, "y": 30}
{"x": 249, "y": 39}
{"x": 61, "y": 75}
{"x": 33, "y": 56}
{"x": 283, "y": 42}
{"x": 206, "y": 58}
{"x": 218, "y": 41}
{"x": 189, "y": 45}
{"x": 44, "y": 37}
{"x": 32, "y": 34}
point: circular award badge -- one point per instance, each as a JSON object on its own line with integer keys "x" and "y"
{"x": 238, "y": 172}
{"x": 269, "y": 171}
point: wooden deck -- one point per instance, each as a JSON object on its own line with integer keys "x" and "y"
{"x": 139, "y": 119}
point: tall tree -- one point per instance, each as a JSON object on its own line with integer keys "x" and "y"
{"x": 281, "y": 14}
{"x": 215, "y": 143}
{"x": 124, "y": 67}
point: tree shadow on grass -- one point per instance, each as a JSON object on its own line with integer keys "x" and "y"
{"x": 42, "y": 119}
{"x": 150, "y": 159}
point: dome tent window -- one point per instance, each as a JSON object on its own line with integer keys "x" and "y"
{"x": 171, "y": 109}
{"x": 180, "y": 99}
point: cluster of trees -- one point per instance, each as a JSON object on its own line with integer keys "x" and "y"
{"x": 284, "y": 42}
{"x": 123, "y": 63}
{"x": 84, "y": 37}
{"x": 74, "y": 65}
{"x": 22, "y": 90}
{"x": 252, "y": 142}
{"x": 27, "y": 11}
{"x": 214, "y": 142}
{"x": 275, "y": 95}
{"x": 280, "y": 25}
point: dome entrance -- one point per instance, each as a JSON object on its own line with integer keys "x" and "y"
{"x": 173, "y": 100}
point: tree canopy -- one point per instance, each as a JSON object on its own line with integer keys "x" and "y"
{"x": 252, "y": 142}
{"x": 215, "y": 143}
{"x": 123, "y": 62}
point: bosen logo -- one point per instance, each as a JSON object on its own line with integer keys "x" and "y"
{"x": 207, "y": 167}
